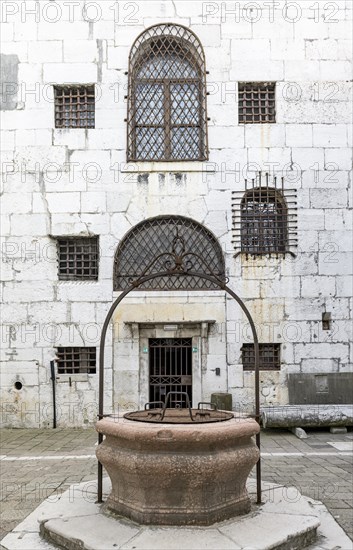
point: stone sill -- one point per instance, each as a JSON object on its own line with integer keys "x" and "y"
{"x": 173, "y": 294}
{"x": 65, "y": 378}
{"x": 182, "y": 166}
{"x": 76, "y": 283}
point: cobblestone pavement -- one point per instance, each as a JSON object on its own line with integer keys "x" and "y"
{"x": 36, "y": 464}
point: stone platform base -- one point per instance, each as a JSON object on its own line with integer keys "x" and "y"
{"x": 286, "y": 521}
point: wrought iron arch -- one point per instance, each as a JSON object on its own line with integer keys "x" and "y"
{"x": 177, "y": 266}
{"x": 167, "y": 117}
{"x": 150, "y": 247}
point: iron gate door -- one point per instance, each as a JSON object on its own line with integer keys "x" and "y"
{"x": 170, "y": 369}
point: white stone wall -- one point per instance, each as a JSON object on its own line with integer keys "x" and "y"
{"x": 76, "y": 182}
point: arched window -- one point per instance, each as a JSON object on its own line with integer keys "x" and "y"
{"x": 147, "y": 247}
{"x": 263, "y": 223}
{"x": 167, "y": 96}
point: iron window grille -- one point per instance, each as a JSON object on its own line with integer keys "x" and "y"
{"x": 78, "y": 258}
{"x": 74, "y": 106}
{"x": 269, "y": 356}
{"x": 257, "y": 102}
{"x": 150, "y": 242}
{"x": 170, "y": 361}
{"x": 167, "y": 118}
{"x": 264, "y": 218}
{"x": 76, "y": 360}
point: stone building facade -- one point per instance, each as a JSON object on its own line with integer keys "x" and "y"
{"x": 62, "y": 183}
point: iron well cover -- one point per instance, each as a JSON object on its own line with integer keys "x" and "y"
{"x": 179, "y": 416}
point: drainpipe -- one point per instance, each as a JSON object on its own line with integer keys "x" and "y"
{"x": 53, "y": 378}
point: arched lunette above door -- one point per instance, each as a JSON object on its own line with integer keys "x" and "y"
{"x": 154, "y": 244}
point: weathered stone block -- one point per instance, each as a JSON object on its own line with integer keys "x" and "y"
{"x": 83, "y": 292}
{"x": 49, "y": 31}
{"x": 321, "y": 49}
{"x": 64, "y": 202}
{"x": 39, "y": 137}
{"x": 69, "y": 73}
{"x": 93, "y": 202}
{"x": 19, "y": 291}
{"x": 29, "y": 224}
{"x": 250, "y": 49}
{"x": 308, "y": 158}
{"x": 38, "y": 159}
{"x": 344, "y": 285}
{"x": 267, "y": 70}
{"x": 80, "y": 51}
{"x": 45, "y": 50}
{"x": 19, "y": 203}
{"x": 330, "y": 135}
{"x": 319, "y": 286}
{"x": 299, "y": 135}
{"x": 264, "y": 135}
{"x": 70, "y": 138}
{"x": 321, "y": 198}
{"x": 334, "y": 70}
{"x": 338, "y": 158}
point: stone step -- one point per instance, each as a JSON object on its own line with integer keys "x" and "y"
{"x": 285, "y": 521}
{"x": 259, "y": 531}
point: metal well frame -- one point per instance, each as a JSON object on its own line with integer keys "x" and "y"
{"x": 178, "y": 262}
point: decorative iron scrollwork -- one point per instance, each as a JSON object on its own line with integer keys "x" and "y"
{"x": 171, "y": 244}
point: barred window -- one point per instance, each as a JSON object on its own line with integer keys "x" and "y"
{"x": 78, "y": 258}
{"x": 257, "y": 103}
{"x": 265, "y": 217}
{"x": 76, "y": 360}
{"x": 74, "y": 106}
{"x": 167, "y": 96}
{"x": 269, "y": 356}
{"x": 263, "y": 221}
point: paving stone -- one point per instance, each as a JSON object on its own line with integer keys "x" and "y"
{"x": 26, "y": 541}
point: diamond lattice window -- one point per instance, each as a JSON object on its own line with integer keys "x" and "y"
{"x": 149, "y": 244}
{"x": 269, "y": 358}
{"x": 167, "y": 96}
{"x": 76, "y": 360}
{"x": 257, "y": 102}
{"x": 74, "y": 106}
{"x": 78, "y": 258}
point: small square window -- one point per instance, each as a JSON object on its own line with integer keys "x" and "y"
{"x": 76, "y": 360}
{"x": 78, "y": 258}
{"x": 269, "y": 356}
{"x": 74, "y": 106}
{"x": 257, "y": 102}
